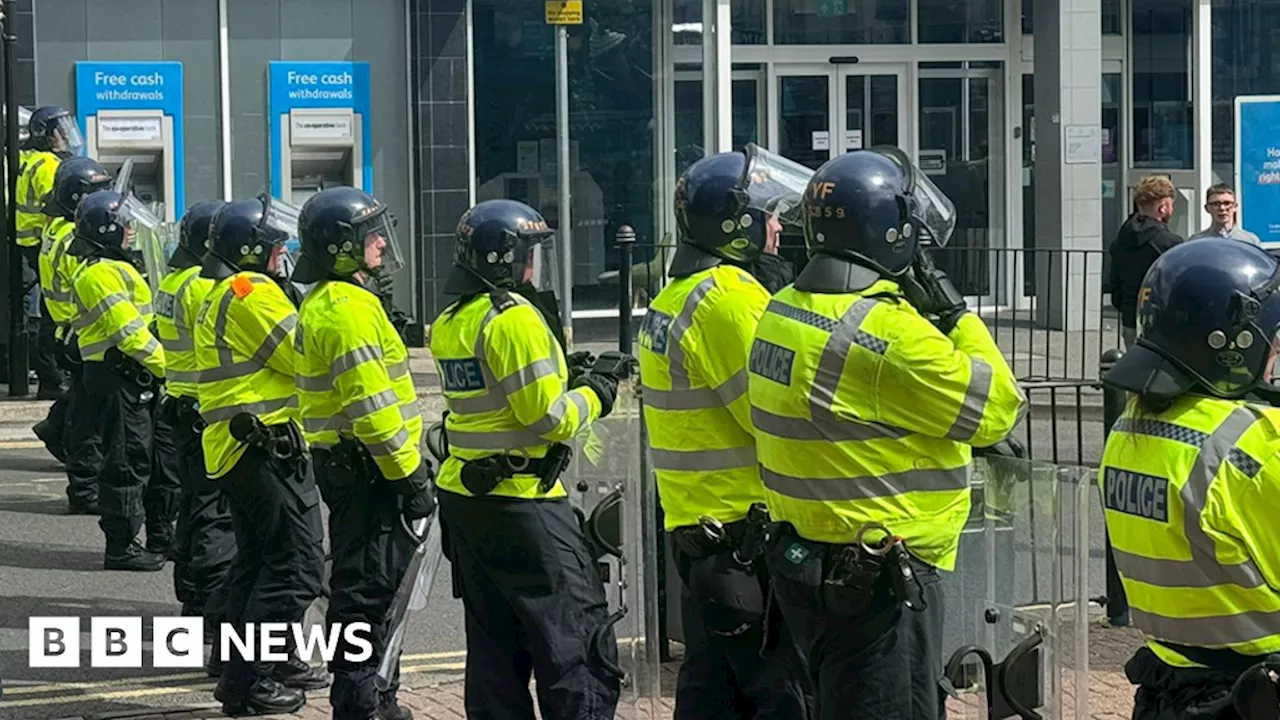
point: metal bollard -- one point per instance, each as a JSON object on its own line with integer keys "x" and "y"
{"x": 626, "y": 240}
{"x": 1113, "y": 400}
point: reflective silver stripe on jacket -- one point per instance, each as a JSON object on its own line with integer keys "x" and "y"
{"x": 703, "y": 460}
{"x": 118, "y": 336}
{"x": 182, "y": 376}
{"x": 33, "y": 204}
{"x": 349, "y": 360}
{"x": 559, "y": 409}
{"x": 497, "y": 392}
{"x": 254, "y": 408}
{"x": 228, "y": 368}
{"x": 341, "y": 423}
{"x": 974, "y": 406}
{"x": 866, "y": 487}
{"x": 1203, "y": 570}
{"x": 495, "y": 441}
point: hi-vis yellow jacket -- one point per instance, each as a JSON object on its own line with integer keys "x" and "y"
{"x": 866, "y": 413}
{"x": 694, "y": 345}
{"x": 58, "y": 269}
{"x": 34, "y": 184}
{"x": 1192, "y": 495}
{"x": 245, "y": 360}
{"x": 182, "y": 293}
{"x": 353, "y": 378}
{"x": 113, "y": 309}
{"x": 504, "y": 378}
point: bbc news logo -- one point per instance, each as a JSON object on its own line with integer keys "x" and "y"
{"x": 178, "y": 642}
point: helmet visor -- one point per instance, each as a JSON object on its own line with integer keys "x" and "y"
{"x": 380, "y": 248}
{"x": 281, "y": 217}
{"x": 66, "y": 135}
{"x": 123, "y": 177}
{"x": 933, "y": 210}
{"x": 144, "y": 236}
{"x": 24, "y": 124}
{"x": 775, "y": 185}
{"x": 534, "y": 257}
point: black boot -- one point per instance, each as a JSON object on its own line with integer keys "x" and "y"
{"x": 295, "y": 673}
{"x": 52, "y": 439}
{"x": 132, "y": 557}
{"x": 160, "y": 540}
{"x": 265, "y": 697}
{"x": 389, "y": 709}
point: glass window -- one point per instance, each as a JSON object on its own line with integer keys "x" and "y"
{"x": 610, "y": 126}
{"x": 690, "y": 138}
{"x": 1162, "y": 111}
{"x": 835, "y": 22}
{"x": 1110, "y": 16}
{"x": 970, "y": 21}
{"x": 747, "y": 20}
{"x": 1246, "y": 61}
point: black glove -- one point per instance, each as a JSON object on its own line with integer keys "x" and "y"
{"x": 604, "y": 386}
{"x": 579, "y": 363}
{"x": 1256, "y": 694}
{"x": 1010, "y": 447}
{"x": 417, "y": 492}
{"x": 933, "y": 294}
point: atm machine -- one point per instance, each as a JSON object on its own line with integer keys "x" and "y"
{"x": 320, "y": 148}
{"x": 145, "y": 136}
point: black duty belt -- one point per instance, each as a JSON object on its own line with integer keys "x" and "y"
{"x": 482, "y": 475}
{"x": 745, "y": 538}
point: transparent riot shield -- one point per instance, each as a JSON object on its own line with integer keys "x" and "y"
{"x": 608, "y": 488}
{"x": 1016, "y": 634}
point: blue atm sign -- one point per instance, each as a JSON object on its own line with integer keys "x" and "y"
{"x": 128, "y": 86}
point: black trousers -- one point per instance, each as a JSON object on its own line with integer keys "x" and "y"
{"x": 724, "y": 674}
{"x": 205, "y": 541}
{"x": 370, "y": 550}
{"x": 1169, "y": 693}
{"x": 535, "y": 605}
{"x": 165, "y": 488}
{"x": 869, "y": 657}
{"x": 124, "y": 414}
{"x": 44, "y": 351}
{"x": 82, "y": 441}
{"x": 279, "y": 562}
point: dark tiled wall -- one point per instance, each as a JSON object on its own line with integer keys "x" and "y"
{"x": 441, "y": 164}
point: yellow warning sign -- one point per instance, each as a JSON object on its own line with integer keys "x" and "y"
{"x": 564, "y": 12}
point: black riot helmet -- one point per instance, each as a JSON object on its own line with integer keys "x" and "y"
{"x": 54, "y": 129}
{"x": 495, "y": 243}
{"x": 247, "y": 235}
{"x": 1208, "y": 322}
{"x": 724, "y": 205}
{"x": 76, "y": 178}
{"x": 193, "y": 234}
{"x": 107, "y": 224}
{"x": 865, "y": 215}
{"x": 345, "y": 231}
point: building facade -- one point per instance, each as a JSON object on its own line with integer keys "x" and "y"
{"x": 1038, "y": 117}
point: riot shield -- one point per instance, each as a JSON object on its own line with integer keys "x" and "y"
{"x": 1017, "y": 613}
{"x": 607, "y": 486}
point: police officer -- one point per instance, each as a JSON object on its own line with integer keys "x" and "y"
{"x": 533, "y": 599}
{"x": 253, "y": 448}
{"x": 205, "y": 542}
{"x": 72, "y": 429}
{"x": 52, "y": 136}
{"x": 360, "y": 415}
{"x": 693, "y": 364}
{"x": 124, "y": 366}
{"x": 869, "y": 382}
{"x": 1190, "y": 478}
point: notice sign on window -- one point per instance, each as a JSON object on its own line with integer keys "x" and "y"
{"x": 320, "y": 127}
{"x": 564, "y": 12}
{"x": 129, "y": 129}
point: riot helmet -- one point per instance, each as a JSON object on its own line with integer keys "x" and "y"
{"x": 871, "y": 209}
{"x": 193, "y": 234}
{"x": 345, "y": 232}
{"x": 727, "y": 205}
{"x": 1208, "y": 322}
{"x": 115, "y": 226}
{"x": 54, "y": 129}
{"x": 249, "y": 235}
{"x": 76, "y": 178}
{"x": 497, "y": 245}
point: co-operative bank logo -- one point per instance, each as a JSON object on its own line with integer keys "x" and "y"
{"x": 178, "y": 642}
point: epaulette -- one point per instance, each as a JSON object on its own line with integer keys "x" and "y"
{"x": 502, "y": 300}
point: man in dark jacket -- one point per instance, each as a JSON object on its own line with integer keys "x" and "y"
{"x": 1142, "y": 239}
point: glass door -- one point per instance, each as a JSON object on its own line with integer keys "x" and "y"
{"x": 871, "y": 98}
{"x": 805, "y": 108}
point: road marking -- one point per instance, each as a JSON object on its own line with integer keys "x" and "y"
{"x": 414, "y": 669}
{"x": 53, "y": 687}
{"x": 434, "y": 655}
{"x": 21, "y": 445}
{"x": 115, "y": 695}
